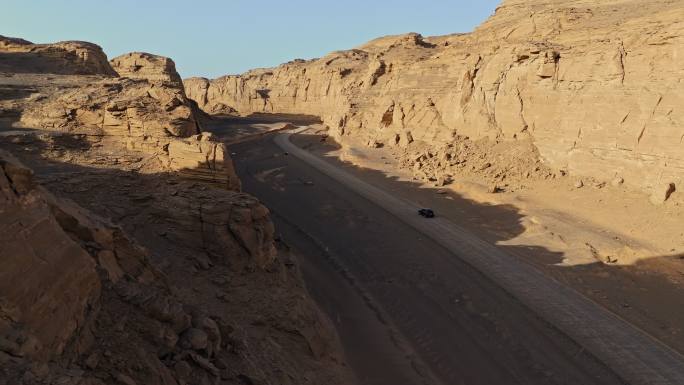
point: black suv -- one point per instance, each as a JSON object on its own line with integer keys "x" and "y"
{"x": 427, "y": 213}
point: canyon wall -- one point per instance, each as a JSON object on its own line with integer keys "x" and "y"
{"x": 598, "y": 87}
{"x": 128, "y": 253}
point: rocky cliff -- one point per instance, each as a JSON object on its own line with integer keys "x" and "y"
{"x": 83, "y": 303}
{"x": 128, "y": 255}
{"x": 595, "y": 86}
{"x": 142, "y": 110}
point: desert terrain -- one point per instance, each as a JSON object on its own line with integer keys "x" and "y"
{"x": 263, "y": 228}
{"x": 129, "y": 254}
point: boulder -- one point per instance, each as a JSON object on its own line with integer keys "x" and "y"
{"x": 124, "y": 379}
{"x": 661, "y": 193}
{"x": 405, "y": 138}
{"x": 193, "y": 338}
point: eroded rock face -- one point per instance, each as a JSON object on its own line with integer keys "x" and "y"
{"x": 597, "y": 86}
{"x": 144, "y": 111}
{"x": 136, "y": 116}
{"x": 121, "y": 319}
{"x": 47, "y": 281}
{"x": 68, "y": 57}
{"x": 59, "y": 266}
{"x": 142, "y": 65}
{"x": 83, "y": 302}
{"x": 70, "y": 282}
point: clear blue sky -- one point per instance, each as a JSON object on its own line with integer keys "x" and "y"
{"x": 211, "y": 38}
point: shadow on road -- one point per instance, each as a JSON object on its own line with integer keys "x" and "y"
{"x": 188, "y": 228}
{"x": 637, "y": 293}
{"x": 231, "y": 127}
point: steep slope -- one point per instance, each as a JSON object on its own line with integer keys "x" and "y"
{"x": 595, "y": 86}
{"x": 129, "y": 254}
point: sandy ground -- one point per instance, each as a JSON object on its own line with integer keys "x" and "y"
{"x": 598, "y": 221}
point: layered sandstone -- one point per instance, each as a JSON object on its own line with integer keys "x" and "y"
{"x": 596, "y": 86}
{"x": 142, "y": 65}
{"x": 152, "y": 119}
{"x": 42, "y": 266}
{"x": 82, "y": 303}
{"x": 138, "y": 102}
{"x": 60, "y": 266}
{"x": 67, "y": 57}
{"x": 129, "y": 255}
{"x": 142, "y": 117}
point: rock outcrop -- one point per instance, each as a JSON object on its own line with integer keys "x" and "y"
{"x": 129, "y": 255}
{"x": 152, "y": 118}
{"x": 82, "y": 303}
{"x": 60, "y": 266}
{"x": 596, "y": 86}
{"x": 138, "y": 103}
{"x": 67, "y": 57}
{"x": 142, "y": 65}
{"x": 141, "y": 117}
{"x": 47, "y": 281}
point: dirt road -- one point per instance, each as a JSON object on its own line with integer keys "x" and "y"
{"x": 404, "y": 292}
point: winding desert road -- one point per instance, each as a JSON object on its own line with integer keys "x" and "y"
{"x": 423, "y": 301}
